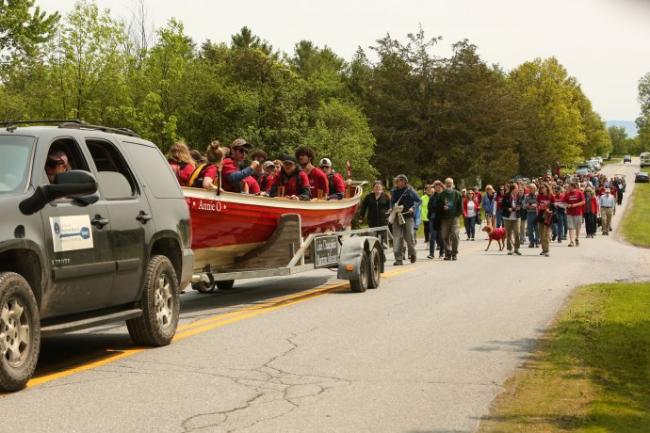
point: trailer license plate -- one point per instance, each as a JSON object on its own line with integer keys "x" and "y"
{"x": 326, "y": 251}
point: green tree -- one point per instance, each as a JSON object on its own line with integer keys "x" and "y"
{"x": 23, "y": 27}
{"x": 619, "y": 139}
{"x": 643, "y": 121}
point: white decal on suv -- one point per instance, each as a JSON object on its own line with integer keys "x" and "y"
{"x": 70, "y": 233}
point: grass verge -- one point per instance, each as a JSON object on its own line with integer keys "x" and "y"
{"x": 636, "y": 223}
{"x": 591, "y": 372}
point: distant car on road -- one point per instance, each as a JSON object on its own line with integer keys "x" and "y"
{"x": 583, "y": 169}
{"x": 642, "y": 177}
{"x": 627, "y": 158}
{"x": 594, "y": 164}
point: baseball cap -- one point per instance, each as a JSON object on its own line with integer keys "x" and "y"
{"x": 268, "y": 164}
{"x": 325, "y": 162}
{"x": 289, "y": 158}
{"x": 240, "y": 142}
{"x": 402, "y": 177}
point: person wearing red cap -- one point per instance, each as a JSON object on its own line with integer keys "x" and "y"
{"x": 57, "y": 162}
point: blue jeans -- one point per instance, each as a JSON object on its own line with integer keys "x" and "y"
{"x": 531, "y": 226}
{"x": 433, "y": 238}
{"x": 499, "y": 218}
{"x": 470, "y": 226}
{"x": 559, "y": 226}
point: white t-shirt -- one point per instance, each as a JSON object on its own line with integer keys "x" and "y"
{"x": 471, "y": 211}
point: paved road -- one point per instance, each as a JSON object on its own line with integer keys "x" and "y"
{"x": 427, "y": 352}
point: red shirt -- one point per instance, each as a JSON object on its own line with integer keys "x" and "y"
{"x": 211, "y": 172}
{"x": 229, "y": 167}
{"x": 499, "y": 201}
{"x": 544, "y": 202}
{"x": 318, "y": 182}
{"x": 287, "y": 186}
{"x": 573, "y": 197}
{"x": 253, "y": 186}
{"x": 266, "y": 181}
{"x": 182, "y": 171}
{"x": 337, "y": 184}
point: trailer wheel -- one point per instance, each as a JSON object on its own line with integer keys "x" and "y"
{"x": 225, "y": 285}
{"x": 361, "y": 283}
{"x": 374, "y": 265}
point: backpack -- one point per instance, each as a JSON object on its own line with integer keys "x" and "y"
{"x": 196, "y": 179}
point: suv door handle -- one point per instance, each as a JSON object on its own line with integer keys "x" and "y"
{"x": 99, "y": 221}
{"x": 143, "y": 217}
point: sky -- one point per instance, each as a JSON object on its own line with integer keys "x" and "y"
{"x": 605, "y": 44}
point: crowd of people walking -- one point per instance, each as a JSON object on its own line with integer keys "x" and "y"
{"x": 539, "y": 212}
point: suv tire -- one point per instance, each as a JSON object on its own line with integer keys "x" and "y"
{"x": 20, "y": 332}
{"x": 160, "y": 305}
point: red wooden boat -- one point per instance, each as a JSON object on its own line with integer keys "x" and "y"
{"x": 227, "y": 226}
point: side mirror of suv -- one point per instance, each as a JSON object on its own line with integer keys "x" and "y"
{"x": 72, "y": 184}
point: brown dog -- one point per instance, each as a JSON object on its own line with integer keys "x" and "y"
{"x": 495, "y": 234}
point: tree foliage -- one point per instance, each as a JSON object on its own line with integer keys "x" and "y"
{"x": 408, "y": 110}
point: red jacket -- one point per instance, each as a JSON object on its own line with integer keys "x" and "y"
{"x": 592, "y": 204}
{"x": 476, "y": 206}
{"x": 296, "y": 184}
{"x": 318, "y": 181}
{"x": 231, "y": 175}
{"x": 266, "y": 181}
{"x": 253, "y": 186}
{"x": 182, "y": 170}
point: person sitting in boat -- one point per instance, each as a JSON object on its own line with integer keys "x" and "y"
{"x": 181, "y": 162}
{"x": 260, "y": 156}
{"x": 250, "y": 186}
{"x": 267, "y": 178}
{"x": 318, "y": 182}
{"x": 206, "y": 174}
{"x": 232, "y": 175}
{"x": 291, "y": 182}
{"x": 197, "y": 156}
{"x": 336, "y": 182}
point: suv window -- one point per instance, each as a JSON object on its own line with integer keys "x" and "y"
{"x": 113, "y": 174}
{"x": 155, "y": 171}
{"x": 16, "y": 154}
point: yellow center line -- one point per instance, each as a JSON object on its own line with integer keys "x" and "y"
{"x": 217, "y": 321}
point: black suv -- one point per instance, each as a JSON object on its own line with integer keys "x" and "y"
{"x": 94, "y": 229}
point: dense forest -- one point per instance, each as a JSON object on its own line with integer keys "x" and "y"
{"x": 394, "y": 107}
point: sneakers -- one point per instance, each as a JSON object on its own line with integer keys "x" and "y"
{"x": 571, "y": 244}
{"x": 542, "y": 253}
{"x": 546, "y": 254}
{"x": 531, "y": 245}
{"x": 509, "y": 253}
{"x": 447, "y": 258}
{"x": 453, "y": 258}
{"x": 398, "y": 263}
{"x": 430, "y": 257}
{"x": 413, "y": 259}
{"x": 577, "y": 242}
{"x": 517, "y": 253}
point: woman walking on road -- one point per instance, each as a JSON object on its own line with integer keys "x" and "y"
{"x": 375, "y": 206}
{"x": 591, "y": 212}
{"x": 434, "y": 221}
{"x": 489, "y": 206}
{"x": 544, "y": 217}
{"x": 470, "y": 211}
{"x": 511, "y": 209}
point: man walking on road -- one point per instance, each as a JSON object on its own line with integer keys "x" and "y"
{"x": 450, "y": 209}
{"x": 403, "y": 202}
{"x": 607, "y": 204}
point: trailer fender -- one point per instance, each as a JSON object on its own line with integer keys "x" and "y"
{"x": 352, "y": 250}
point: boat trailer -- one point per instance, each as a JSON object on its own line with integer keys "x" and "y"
{"x": 357, "y": 255}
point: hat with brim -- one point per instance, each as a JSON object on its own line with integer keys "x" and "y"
{"x": 325, "y": 162}
{"x": 289, "y": 159}
{"x": 402, "y": 177}
{"x": 239, "y": 143}
{"x": 268, "y": 164}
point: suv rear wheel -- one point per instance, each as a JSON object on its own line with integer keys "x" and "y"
{"x": 160, "y": 305}
{"x": 20, "y": 335}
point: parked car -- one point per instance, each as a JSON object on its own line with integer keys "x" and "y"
{"x": 627, "y": 158}
{"x": 95, "y": 229}
{"x": 594, "y": 164}
{"x": 583, "y": 169}
{"x": 645, "y": 159}
{"x": 642, "y": 177}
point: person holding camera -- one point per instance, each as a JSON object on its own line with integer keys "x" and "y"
{"x": 403, "y": 202}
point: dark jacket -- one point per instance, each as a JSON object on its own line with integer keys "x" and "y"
{"x": 376, "y": 209}
{"x": 434, "y": 210}
{"x": 406, "y": 197}
{"x": 508, "y": 203}
{"x": 454, "y": 203}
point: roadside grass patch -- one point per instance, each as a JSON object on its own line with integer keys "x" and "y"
{"x": 636, "y": 223}
{"x": 591, "y": 371}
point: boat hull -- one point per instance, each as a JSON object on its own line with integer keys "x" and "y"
{"x": 229, "y": 225}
